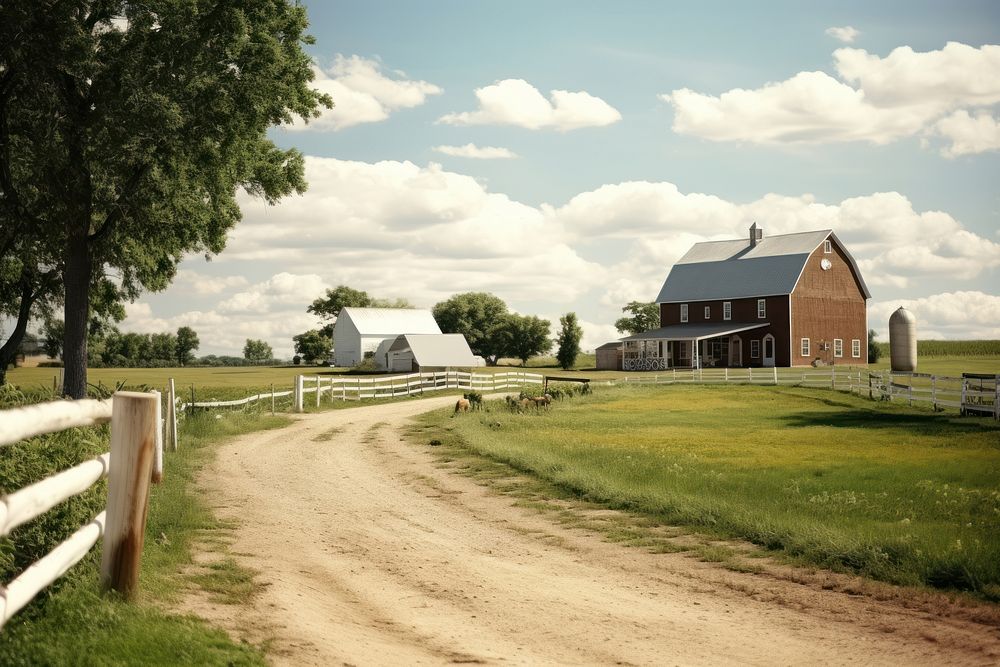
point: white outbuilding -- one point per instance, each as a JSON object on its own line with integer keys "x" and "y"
{"x": 359, "y": 332}
{"x": 412, "y": 353}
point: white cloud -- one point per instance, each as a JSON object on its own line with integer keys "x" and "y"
{"x": 204, "y": 284}
{"x": 969, "y": 134}
{"x": 878, "y": 100}
{"x": 397, "y": 229}
{"x": 517, "y": 102}
{"x": 362, "y": 93}
{"x": 846, "y": 34}
{"x": 969, "y": 315}
{"x": 475, "y": 152}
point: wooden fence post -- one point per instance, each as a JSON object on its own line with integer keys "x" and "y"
{"x": 774, "y": 370}
{"x": 133, "y": 441}
{"x": 318, "y": 389}
{"x": 298, "y": 393}
{"x": 173, "y": 416}
{"x": 157, "y": 475}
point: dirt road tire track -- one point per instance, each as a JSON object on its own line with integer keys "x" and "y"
{"x": 370, "y": 553}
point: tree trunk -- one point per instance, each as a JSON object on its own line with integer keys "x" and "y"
{"x": 8, "y": 352}
{"x": 77, "y": 283}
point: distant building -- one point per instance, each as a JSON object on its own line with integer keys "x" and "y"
{"x": 787, "y": 300}
{"x": 359, "y": 332}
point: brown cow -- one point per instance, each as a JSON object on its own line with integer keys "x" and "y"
{"x": 462, "y": 405}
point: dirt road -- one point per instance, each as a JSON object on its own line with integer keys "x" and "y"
{"x": 371, "y": 554}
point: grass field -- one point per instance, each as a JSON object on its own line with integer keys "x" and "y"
{"x": 896, "y": 494}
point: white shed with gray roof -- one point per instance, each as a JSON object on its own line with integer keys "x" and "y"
{"x": 430, "y": 352}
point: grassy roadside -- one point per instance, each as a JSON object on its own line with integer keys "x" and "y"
{"x": 73, "y": 623}
{"x": 894, "y": 494}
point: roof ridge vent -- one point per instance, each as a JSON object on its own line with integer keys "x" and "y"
{"x": 756, "y": 234}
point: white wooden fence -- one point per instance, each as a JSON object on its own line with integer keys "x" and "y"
{"x": 134, "y": 461}
{"x": 356, "y": 388}
{"x": 968, "y": 395}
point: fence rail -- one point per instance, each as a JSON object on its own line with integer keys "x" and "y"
{"x": 134, "y": 461}
{"x": 978, "y": 395}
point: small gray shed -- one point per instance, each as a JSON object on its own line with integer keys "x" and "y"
{"x": 609, "y": 356}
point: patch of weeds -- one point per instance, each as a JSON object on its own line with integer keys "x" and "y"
{"x": 227, "y": 581}
{"x": 327, "y": 436}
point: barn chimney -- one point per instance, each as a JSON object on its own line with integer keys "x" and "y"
{"x": 756, "y": 234}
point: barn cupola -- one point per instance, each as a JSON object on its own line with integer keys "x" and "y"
{"x": 756, "y": 234}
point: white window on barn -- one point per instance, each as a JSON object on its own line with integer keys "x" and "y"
{"x": 827, "y": 247}
{"x": 684, "y": 312}
{"x": 855, "y": 348}
{"x": 708, "y": 312}
{"x": 838, "y": 347}
{"x": 761, "y": 308}
{"x": 805, "y": 347}
{"x": 727, "y": 310}
{"x": 755, "y": 349}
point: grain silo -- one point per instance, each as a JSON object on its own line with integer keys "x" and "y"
{"x": 903, "y": 341}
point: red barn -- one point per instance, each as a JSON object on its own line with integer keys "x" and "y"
{"x": 787, "y": 300}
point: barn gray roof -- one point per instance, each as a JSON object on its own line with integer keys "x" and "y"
{"x": 733, "y": 269}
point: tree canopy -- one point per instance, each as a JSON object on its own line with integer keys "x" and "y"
{"x": 570, "y": 334}
{"x": 644, "y": 316}
{"x": 328, "y": 306}
{"x": 527, "y": 336}
{"x": 313, "y": 346}
{"x": 481, "y": 317}
{"x": 187, "y": 343}
{"x": 257, "y": 350}
{"x": 126, "y": 130}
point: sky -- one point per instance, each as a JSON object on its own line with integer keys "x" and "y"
{"x": 562, "y": 155}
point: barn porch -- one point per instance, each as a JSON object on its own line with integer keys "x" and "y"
{"x": 687, "y": 346}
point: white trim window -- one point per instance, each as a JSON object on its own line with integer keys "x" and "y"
{"x": 684, "y": 312}
{"x": 827, "y": 247}
{"x": 727, "y": 310}
{"x": 761, "y": 308}
{"x": 755, "y": 349}
{"x": 856, "y": 348}
{"x": 708, "y": 312}
{"x": 838, "y": 347}
{"x": 805, "y": 347}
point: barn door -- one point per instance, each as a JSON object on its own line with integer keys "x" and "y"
{"x": 768, "y": 350}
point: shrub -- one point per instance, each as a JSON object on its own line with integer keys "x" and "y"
{"x": 296, "y": 360}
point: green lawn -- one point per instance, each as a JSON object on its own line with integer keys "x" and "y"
{"x": 897, "y": 494}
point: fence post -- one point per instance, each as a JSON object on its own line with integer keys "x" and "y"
{"x": 272, "y": 399}
{"x": 964, "y": 385}
{"x": 833, "y": 377}
{"x": 298, "y": 393}
{"x": 909, "y": 393}
{"x": 318, "y": 388}
{"x": 133, "y": 439}
{"x": 774, "y": 370}
{"x": 750, "y": 374}
{"x": 157, "y": 475}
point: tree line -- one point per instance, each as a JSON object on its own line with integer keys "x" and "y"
{"x": 491, "y": 330}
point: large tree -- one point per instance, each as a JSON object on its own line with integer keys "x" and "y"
{"x": 187, "y": 343}
{"x": 642, "y": 317}
{"x": 527, "y": 336}
{"x": 481, "y": 317}
{"x": 126, "y": 130}
{"x": 570, "y": 334}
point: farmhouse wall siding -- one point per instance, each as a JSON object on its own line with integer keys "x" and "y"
{"x": 744, "y": 311}
{"x": 827, "y": 305}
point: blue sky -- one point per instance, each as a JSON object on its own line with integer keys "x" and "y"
{"x": 678, "y": 123}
